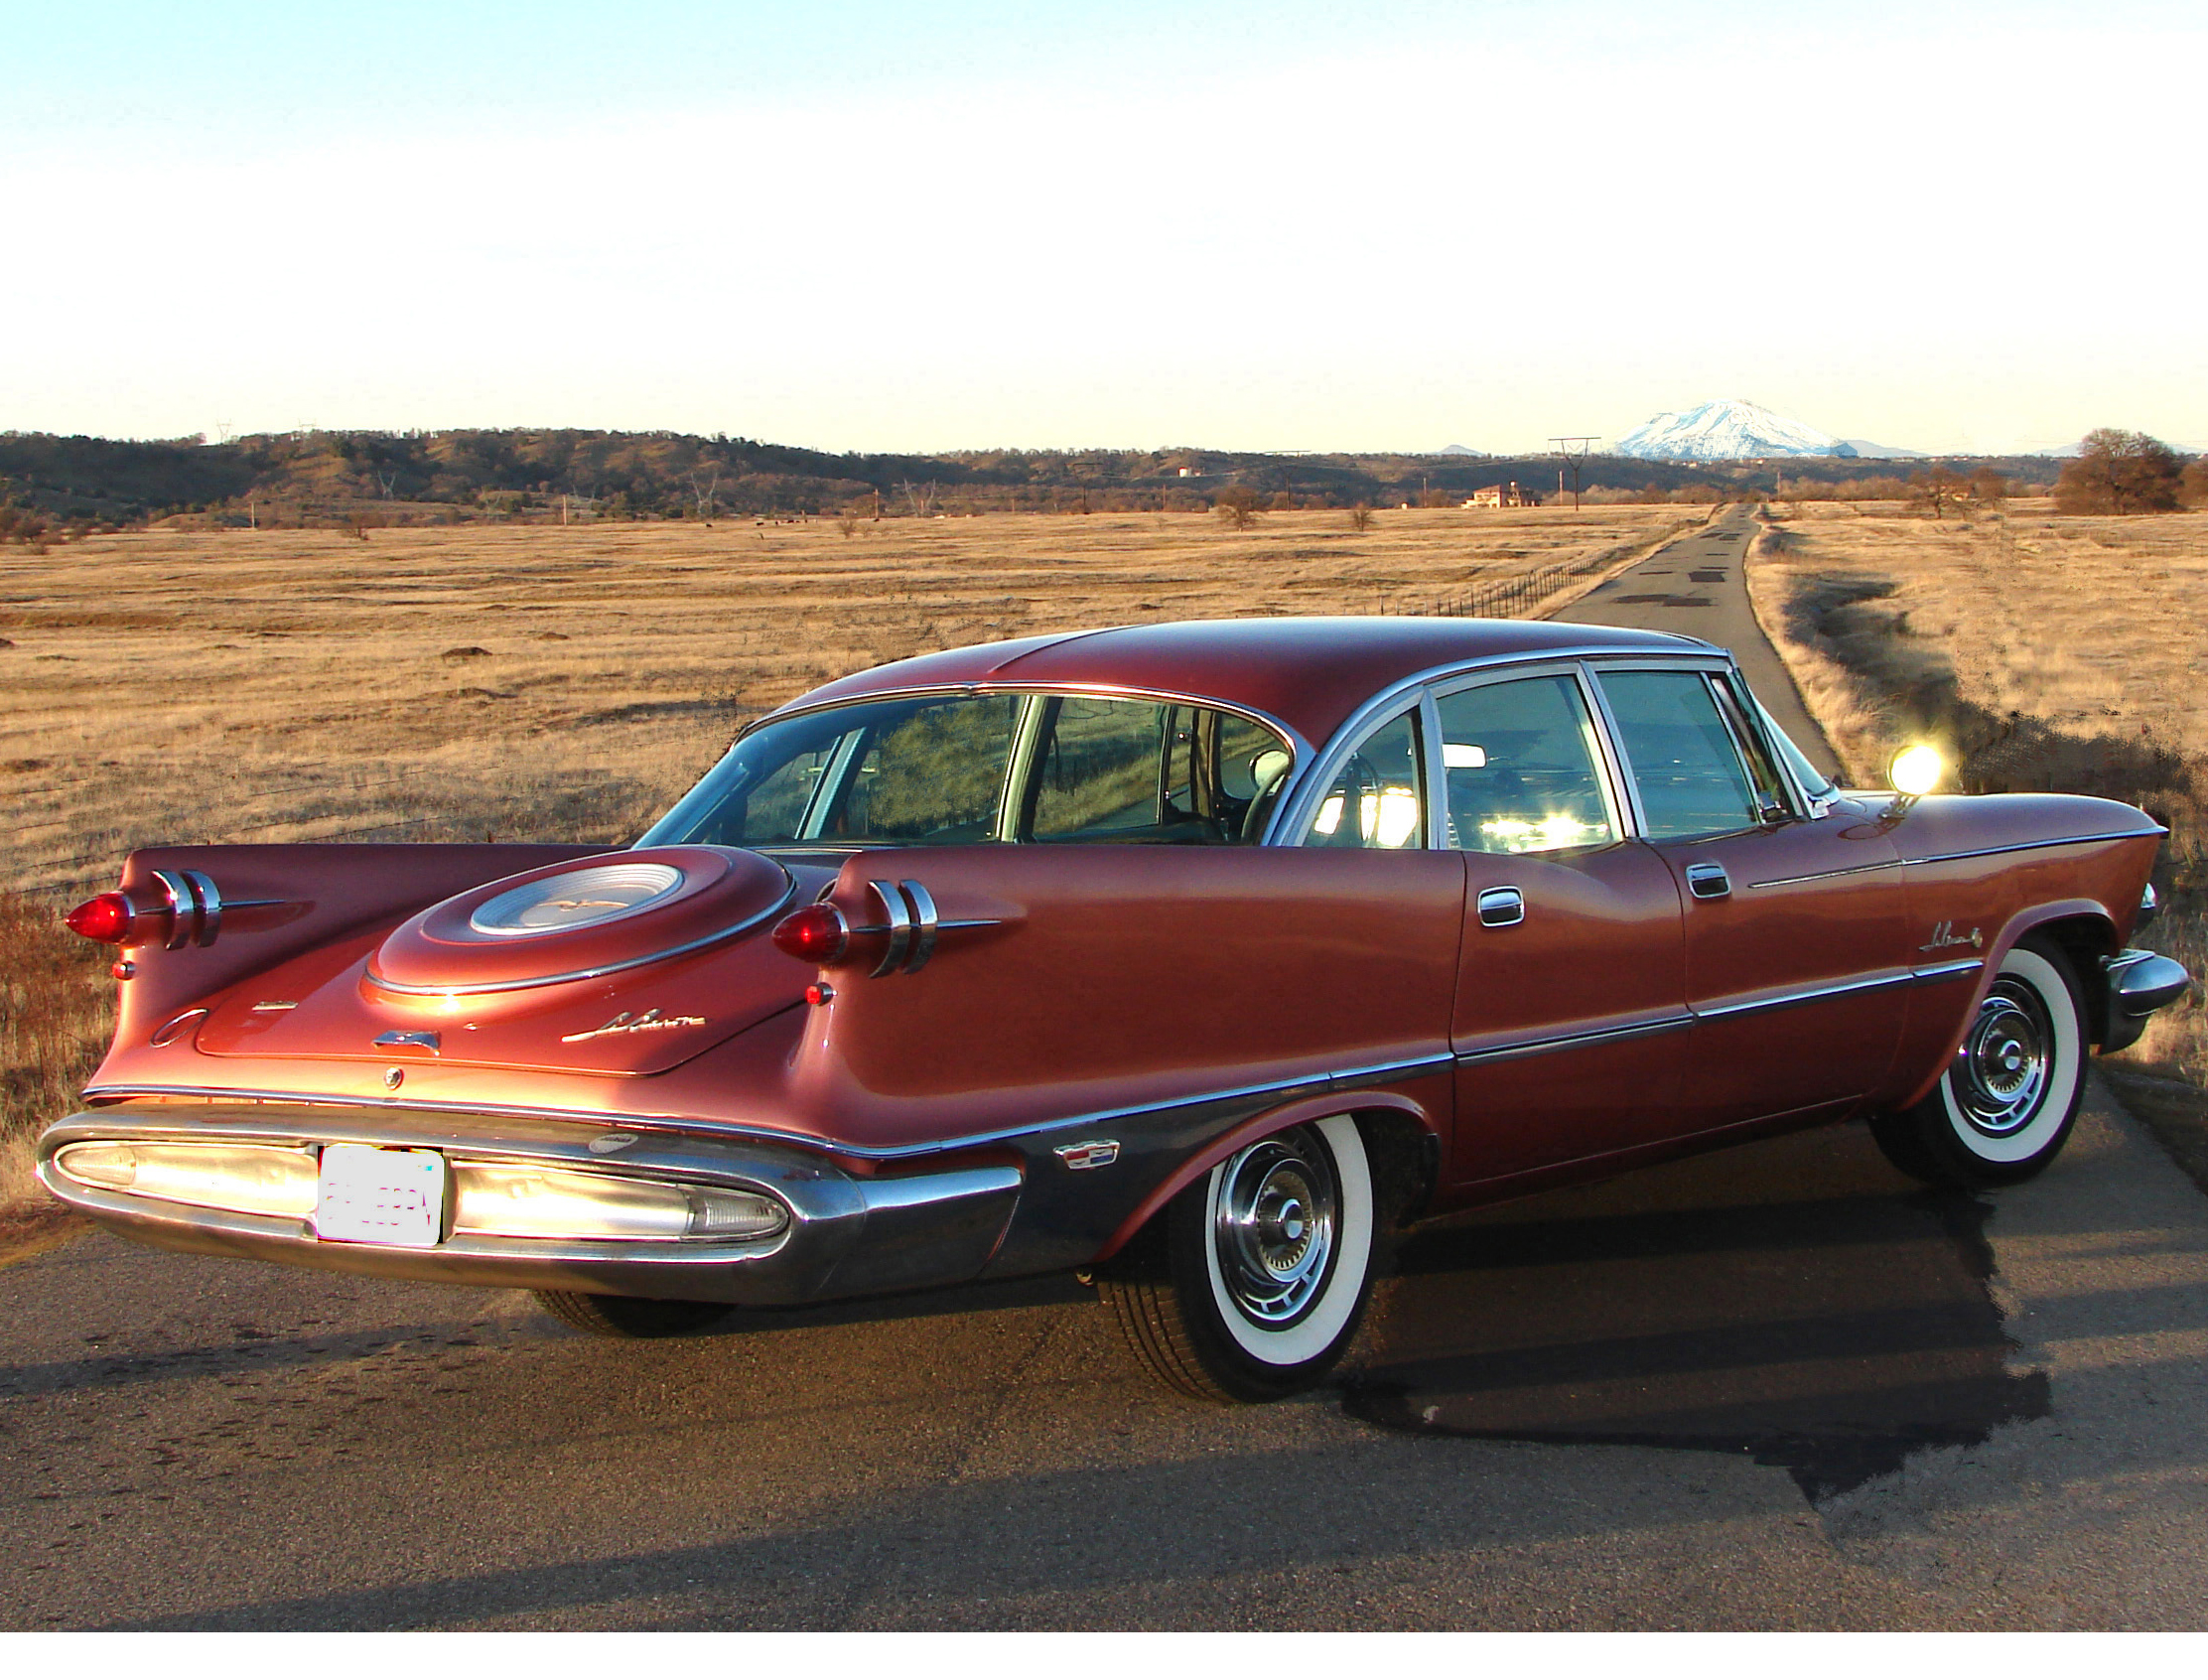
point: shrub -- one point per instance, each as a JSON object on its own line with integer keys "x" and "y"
{"x": 2120, "y": 473}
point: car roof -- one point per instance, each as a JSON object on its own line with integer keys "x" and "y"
{"x": 1309, "y": 673}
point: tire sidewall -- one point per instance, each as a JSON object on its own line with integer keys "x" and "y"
{"x": 1259, "y": 1361}
{"x": 2025, "y": 1151}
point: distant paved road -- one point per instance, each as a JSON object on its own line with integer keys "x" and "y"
{"x": 1697, "y": 586}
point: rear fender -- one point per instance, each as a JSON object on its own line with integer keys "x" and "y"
{"x": 1360, "y": 1103}
{"x": 277, "y": 902}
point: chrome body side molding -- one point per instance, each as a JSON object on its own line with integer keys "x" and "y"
{"x": 2156, "y": 832}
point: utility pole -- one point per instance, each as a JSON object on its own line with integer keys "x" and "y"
{"x": 1574, "y": 459}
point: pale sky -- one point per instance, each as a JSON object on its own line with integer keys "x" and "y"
{"x": 1267, "y": 226}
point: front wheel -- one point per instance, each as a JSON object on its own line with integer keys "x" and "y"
{"x": 2005, "y": 1107}
{"x": 1263, "y": 1270}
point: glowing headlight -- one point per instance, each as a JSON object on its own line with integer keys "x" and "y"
{"x": 543, "y": 1201}
{"x": 1916, "y": 771}
{"x": 241, "y": 1178}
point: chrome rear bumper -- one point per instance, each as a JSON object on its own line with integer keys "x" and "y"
{"x": 2139, "y": 983}
{"x": 846, "y": 1234}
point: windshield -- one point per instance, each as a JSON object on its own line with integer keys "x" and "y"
{"x": 974, "y": 769}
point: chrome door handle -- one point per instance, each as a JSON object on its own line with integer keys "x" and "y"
{"x": 1501, "y": 906}
{"x": 1709, "y": 881}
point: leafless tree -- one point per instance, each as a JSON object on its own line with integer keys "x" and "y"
{"x": 1937, "y": 490}
{"x": 1360, "y": 517}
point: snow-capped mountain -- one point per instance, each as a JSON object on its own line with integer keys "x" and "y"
{"x": 1725, "y": 431}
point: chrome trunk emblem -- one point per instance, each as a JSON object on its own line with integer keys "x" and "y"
{"x": 410, "y": 1041}
{"x": 651, "y": 1021}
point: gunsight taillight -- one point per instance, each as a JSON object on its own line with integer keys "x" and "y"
{"x": 816, "y": 933}
{"x": 107, "y": 919}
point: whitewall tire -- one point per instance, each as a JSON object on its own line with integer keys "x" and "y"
{"x": 1254, "y": 1282}
{"x": 2005, "y": 1106}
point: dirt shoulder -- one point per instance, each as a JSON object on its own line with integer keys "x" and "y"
{"x": 2038, "y": 652}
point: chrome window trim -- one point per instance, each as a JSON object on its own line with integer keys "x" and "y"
{"x": 1292, "y": 816}
{"x": 834, "y": 776}
{"x": 1289, "y": 737}
{"x": 1709, "y": 669}
{"x": 1811, "y": 806}
{"x": 1434, "y": 776}
{"x": 1030, "y": 694}
{"x": 1736, "y": 708}
{"x": 1418, "y": 706}
{"x": 1621, "y": 816}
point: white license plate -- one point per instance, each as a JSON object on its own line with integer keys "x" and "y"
{"x": 387, "y": 1196}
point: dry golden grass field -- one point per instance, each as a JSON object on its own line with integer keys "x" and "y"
{"x": 2041, "y": 652}
{"x": 558, "y": 684}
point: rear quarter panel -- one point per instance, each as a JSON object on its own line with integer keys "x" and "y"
{"x": 1120, "y": 977}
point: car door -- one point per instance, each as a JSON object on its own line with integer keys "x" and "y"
{"x": 1796, "y": 933}
{"x": 1570, "y": 1020}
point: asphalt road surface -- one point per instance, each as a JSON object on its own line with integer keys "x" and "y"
{"x": 1778, "y": 1388}
{"x": 1697, "y": 586}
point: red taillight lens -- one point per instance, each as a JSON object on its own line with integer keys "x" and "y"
{"x": 816, "y": 933}
{"x": 107, "y": 919}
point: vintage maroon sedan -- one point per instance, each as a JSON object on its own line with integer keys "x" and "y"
{"x": 1195, "y": 957}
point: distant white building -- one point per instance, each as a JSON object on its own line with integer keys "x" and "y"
{"x": 1503, "y": 496}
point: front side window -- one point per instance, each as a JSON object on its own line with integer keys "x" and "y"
{"x": 1685, "y": 766}
{"x": 935, "y": 771}
{"x": 1519, "y": 763}
{"x": 1377, "y": 801}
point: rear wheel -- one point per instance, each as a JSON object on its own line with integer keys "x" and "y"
{"x": 630, "y": 1315}
{"x": 1254, "y": 1282}
{"x": 2005, "y": 1107}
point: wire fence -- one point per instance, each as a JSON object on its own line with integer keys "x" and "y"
{"x": 1508, "y": 598}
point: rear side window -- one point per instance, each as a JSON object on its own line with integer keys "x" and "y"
{"x": 933, "y": 777}
{"x": 1143, "y": 772}
{"x": 975, "y": 768}
{"x": 1685, "y": 766}
{"x": 1518, "y": 759}
{"x": 1378, "y": 799}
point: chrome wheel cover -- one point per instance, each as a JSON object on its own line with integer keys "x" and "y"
{"x": 2001, "y": 1074}
{"x": 1274, "y": 1214}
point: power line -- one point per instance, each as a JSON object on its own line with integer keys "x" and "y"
{"x": 1575, "y": 460}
